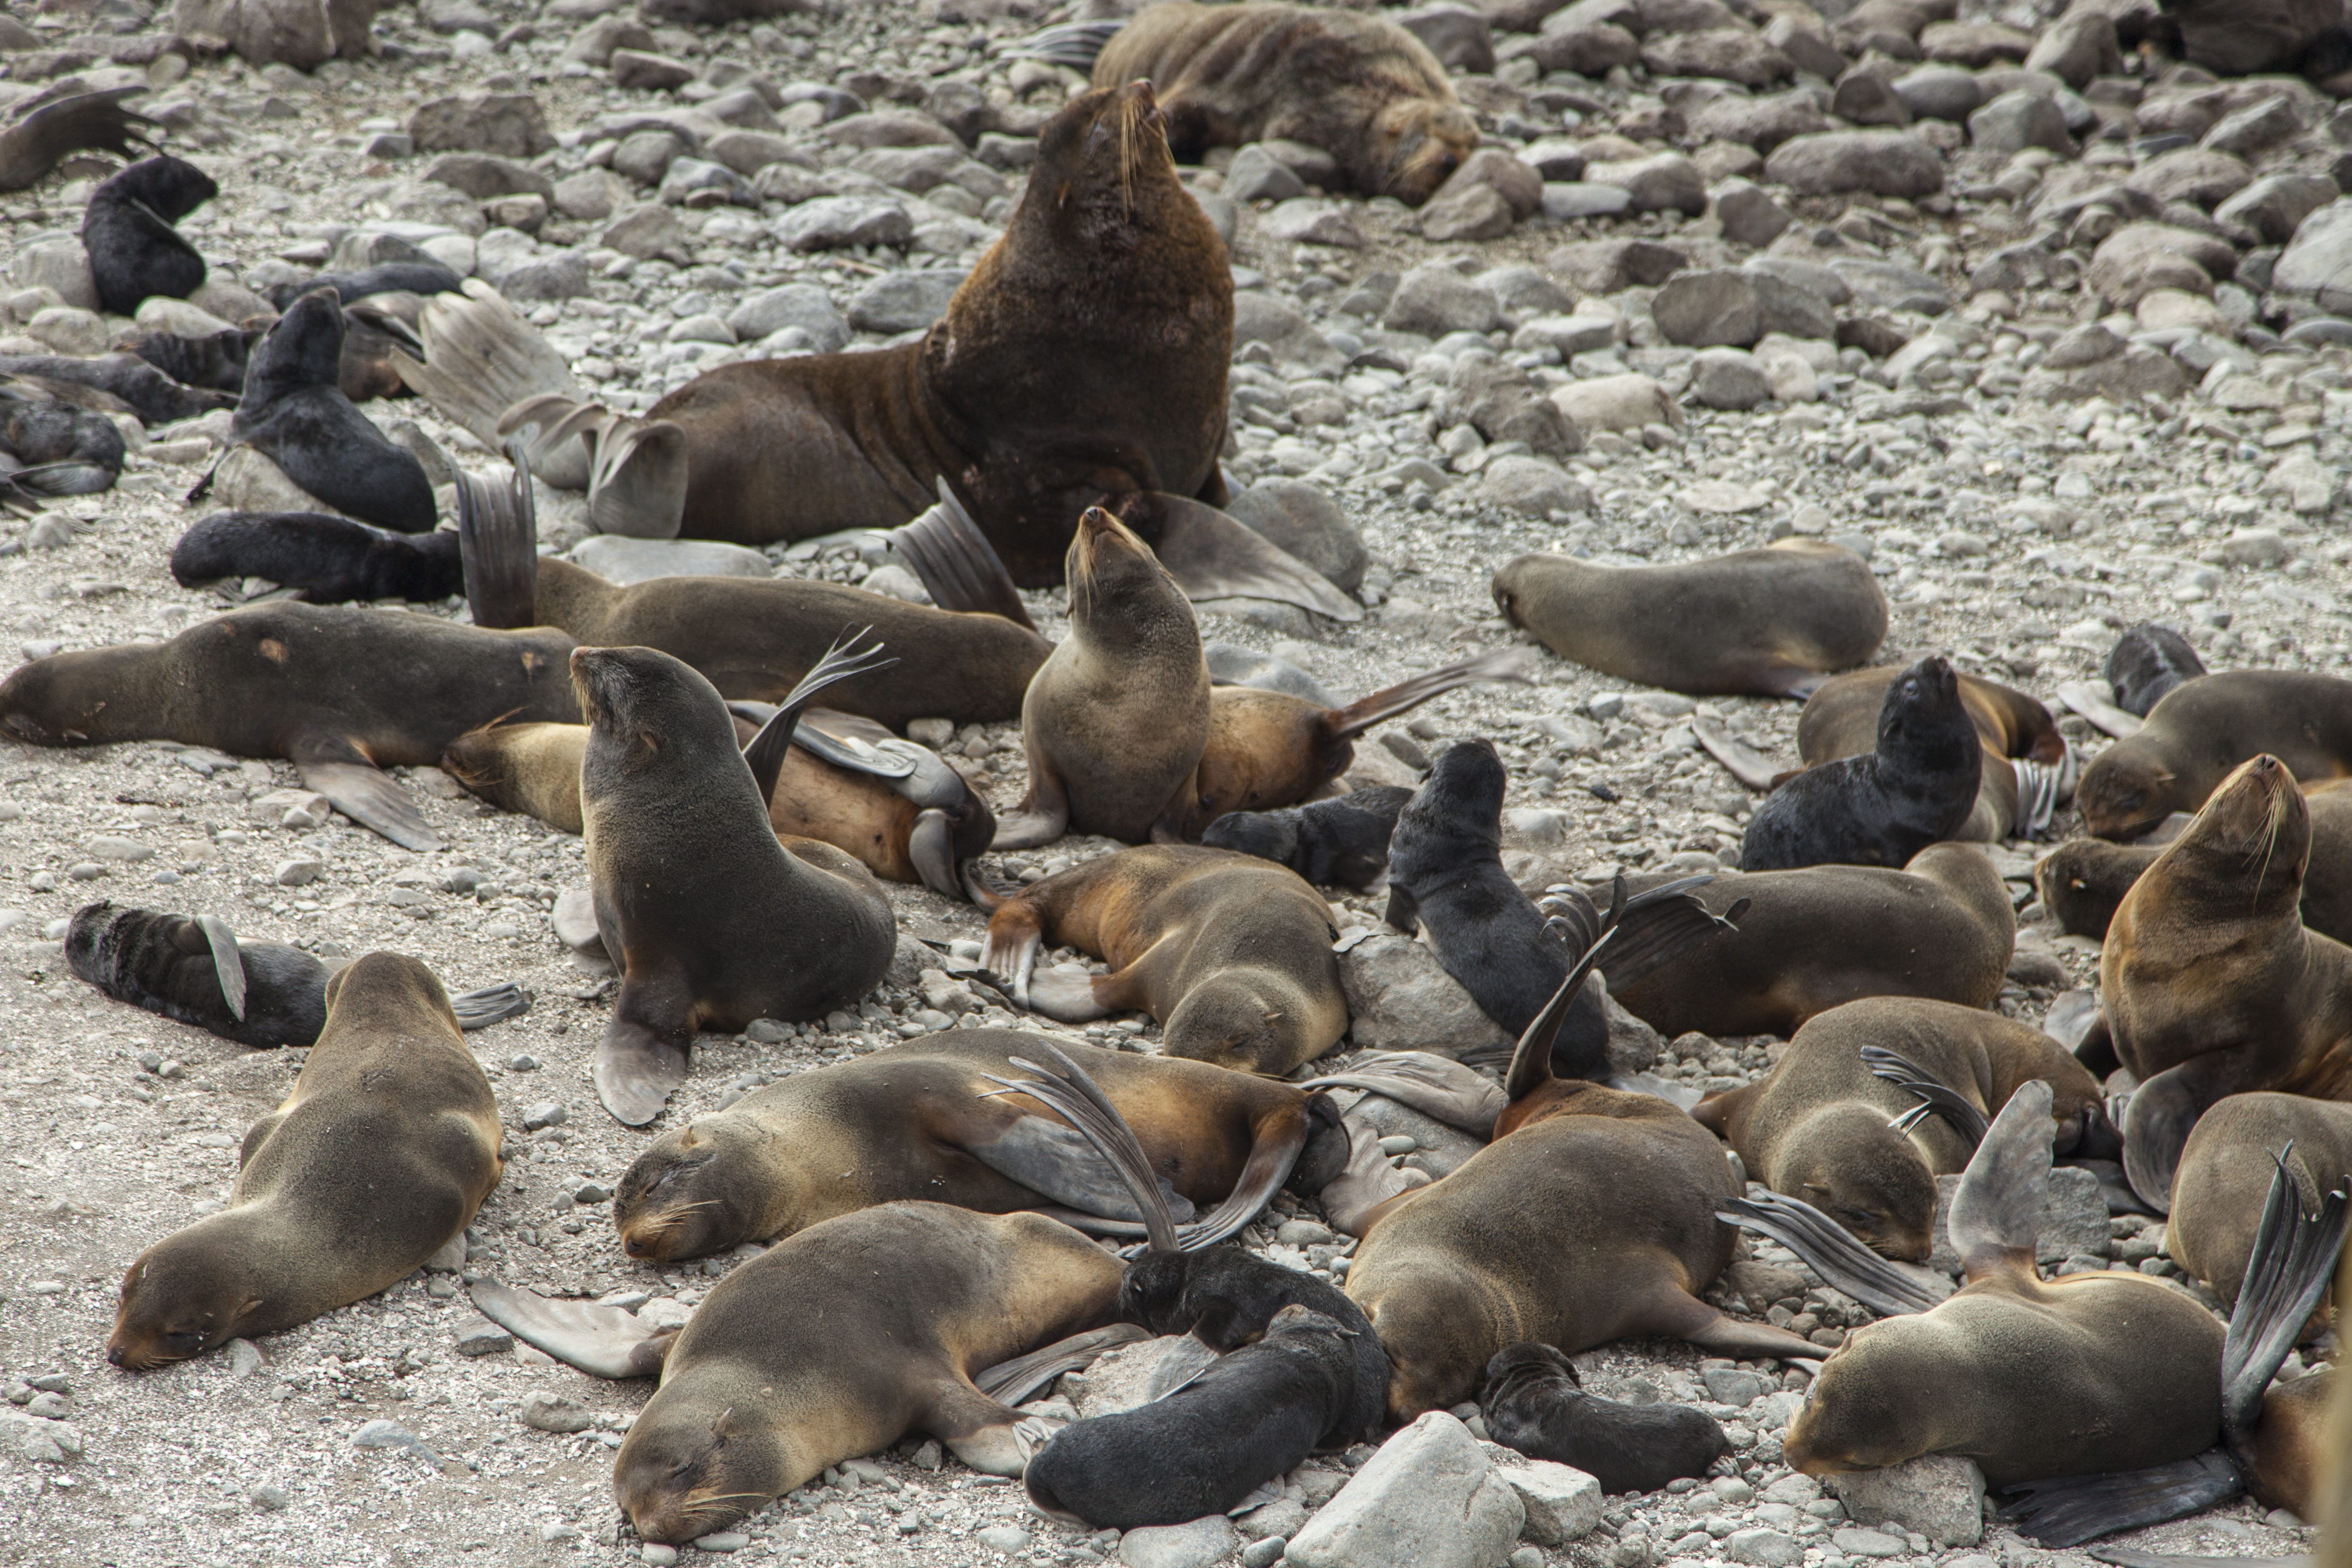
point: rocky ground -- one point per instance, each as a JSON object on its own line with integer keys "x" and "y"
{"x": 2051, "y": 346}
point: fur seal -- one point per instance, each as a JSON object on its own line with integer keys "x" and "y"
{"x": 260, "y": 994}
{"x": 2027, "y": 771}
{"x": 53, "y": 448}
{"x": 1942, "y": 927}
{"x": 2211, "y": 983}
{"x": 384, "y": 1151}
{"x": 421, "y": 276}
{"x": 1880, "y": 808}
{"x": 339, "y": 693}
{"x": 1830, "y": 1127}
{"x": 2083, "y": 880}
{"x": 2132, "y": 1360}
{"x": 1770, "y": 622}
{"x": 1230, "y": 953}
{"x": 334, "y": 559}
{"x": 294, "y": 413}
{"x": 1340, "y": 842}
{"x": 922, "y": 1117}
{"x": 146, "y": 391}
{"x": 134, "y": 251}
{"x": 53, "y": 127}
{"x": 2238, "y": 1149}
{"x": 214, "y": 362}
{"x": 713, "y": 922}
{"x": 2146, "y": 663}
{"x": 1360, "y": 87}
{"x": 2202, "y": 728}
{"x": 1117, "y": 717}
{"x": 1534, "y": 1402}
{"x": 1268, "y": 749}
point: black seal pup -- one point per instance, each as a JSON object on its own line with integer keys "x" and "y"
{"x": 138, "y": 386}
{"x": 194, "y": 969}
{"x": 60, "y": 449}
{"x": 414, "y": 276}
{"x": 382, "y": 1155}
{"x": 134, "y": 251}
{"x": 332, "y": 559}
{"x": 1342, "y": 842}
{"x": 1535, "y": 1403}
{"x": 2147, "y": 662}
{"x": 214, "y": 362}
{"x": 295, "y": 413}
{"x": 1918, "y": 787}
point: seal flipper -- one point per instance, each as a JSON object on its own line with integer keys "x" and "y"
{"x": 1435, "y": 1086}
{"x": 1827, "y": 1248}
{"x": 1997, "y": 1210}
{"x": 2075, "y": 1509}
{"x": 1740, "y": 759}
{"x": 1213, "y": 555}
{"x": 481, "y": 358}
{"x": 643, "y": 1055}
{"x": 2165, "y": 1109}
{"x": 2287, "y": 1272}
{"x": 990, "y": 1436}
{"x": 229, "y": 962}
{"x": 1074, "y": 44}
{"x": 1014, "y": 1381}
{"x": 635, "y": 469}
{"x": 1504, "y": 664}
{"x": 602, "y": 1341}
{"x": 1935, "y": 1099}
{"x": 2125, "y": 1559}
{"x": 959, "y": 568}
{"x": 931, "y": 845}
{"x": 1371, "y": 1181}
{"x": 2085, "y": 699}
{"x": 1058, "y": 1163}
{"x": 765, "y": 753}
{"x": 1042, "y": 816}
{"x": 338, "y": 769}
{"x": 497, "y": 542}
{"x": 490, "y": 1005}
{"x": 1075, "y": 1097}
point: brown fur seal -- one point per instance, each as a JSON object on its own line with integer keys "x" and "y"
{"x": 1360, "y": 86}
{"x": 1841, "y": 719}
{"x": 2228, "y": 1165}
{"x": 2202, "y": 728}
{"x": 1770, "y": 622}
{"x": 341, "y": 693}
{"x": 1232, "y": 954}
{"x": 387, "y": 1147}
{"x": 1083, "y": 360}
{"x": 2133, "y": 1361}
{"x": 2211, "y": 983}
{"x": 54, "y": 127}
{"x": 713, "y": 922}
{"x": 924, "y": 1117}
{"x": 1115, "y": 722}
{"x": 2083, "y": 880}
{"x": 1823, "y": 1125}
{"x": 1815, "y": 939}
{"x": 1268, "y": 749}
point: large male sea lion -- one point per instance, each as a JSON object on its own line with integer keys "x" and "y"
{"x": 2202, "y": 728}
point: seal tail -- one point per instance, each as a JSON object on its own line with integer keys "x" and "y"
{"x": 959, "y": 568}
{"x": 1066, "y": 1089}
{"x": 843, "y": 660}
{"x": 481, "y": 358}
{"x": 2073, "y": 1510}
{"x": 498, "y": 545}
{"x": 635, "y": 471}
{"x": 1504, "y": 664}
{"x": 2294, "y": 1256}
{"x": 1831, "y": 1251}
{"x": 1075, "y": 44}
{"x": 1935, "y": 1098}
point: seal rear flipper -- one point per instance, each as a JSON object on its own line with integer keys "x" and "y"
{"x": 2288, "y": 1270}
{"x": 2165, "y": 1109}
{"x": 1369, "y": 1181}
{"x": 2040, "y": 787}
{"x": 1058, "y": 1163}
{"x": 89, "y": 121}
{"x": 1712, "y": 1331}
{"x": 359, "y": 789}
{"x": 1505, "y": 664}
{"x": 930, "y": 846}
{"x": 602, "y": 1341}
{"x": 1888, "y": 1288}
{"x": 765, "y": 753}
{"x": 635, "y": 468}
{"x": 1935, "y": 1099}
{"x": 2085, "y": 699}
{"x": 1213, "y": 555}
{"x": 1740, "y": 759}
{"x": 228, "y": 962}
{"x": 959, "y": 568}
{"x": 636, "y": 1066}
{"x": 1067, "y": 1090}
{"x": 2073, "y": 1510}
{"x": 497, "y": 542}
{"x": 1068, "y": 996}
{"x": 481, "y": 358}
{"x": 490, "y": 1005}
{"x": 1013, "y": 1382}
{"x": 1433, "y": 1085}
{"x": 1997, "y": 1209}
{"x": 1074, "y": 44}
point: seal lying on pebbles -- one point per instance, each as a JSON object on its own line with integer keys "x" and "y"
{"x": 339, "y": 693}
{"x": 1882, "y": 807}
{"x": 134, "y": 251}
{"x": 1828, "y": 1126}
{"x": 1230, "y": 953}
{"x": 56, "y": 448}
{"x": 713, "y": 921}
{"x": 1768, "y": 622}
{"x": 384, "y": 1151}
{"x": 2211, "y": 983}
{"x": 1360, "y": 87}
{"x": 2202, "y": 728}
{"x": 216, "y": 360}
{"x": 1340, "y": 842}
{"x": 82, "y": 121}
{"x": 922, "y": 1117}
{"x": 146, "y": 391}
{"x": 332, "y": 559}
{"x": 261, "y": 994}
{"x": 1533, "y": 1401}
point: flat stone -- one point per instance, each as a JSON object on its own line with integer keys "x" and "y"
{"x": 1434, "y": 300}
{"x": 1193, "y": 1545}
{"x": 2016, "y": 120}
{"x": 1310, "y": 220}
{"x": 554, "y": 1412}
{"x": 1429, "y": 1499}
{"x": 1940, "y": 1497}
{"x": 1764, "y": 1548}
{"x": 1728, "y": 378}
{"x": 1531, "y": 487}
{"x": 902, "y": 301}
{"x": 1883, "y": 162}
{"x": 1562, "y": 1503}
{"x": 1626, "y": 402}
{"x": 2317, "y": 266}
{"x": 832, "y": 223}
{"x": 1668, "y": 180}
{"x": 624, "y": 560}
{"x": 801, "y": 305}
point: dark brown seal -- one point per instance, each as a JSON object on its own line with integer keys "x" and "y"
{"x": 1816, "y": 939}
{"x": 1841, "y": 719}
{"x": 1770, "y": 622}
{"x": 134, "y": 251}
{"x": 387, "y": 1147}
{"x": 2211, "y": 983}
{"x": 55, "y": 126}
{"x": 2203, "y": 728}
{"x": 341, "y": 693}
{"x": 1232, "y": 954}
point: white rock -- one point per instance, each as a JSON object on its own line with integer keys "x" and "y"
{"x": 1429, "y": 1499}
{"x": 1562, "y": 1502}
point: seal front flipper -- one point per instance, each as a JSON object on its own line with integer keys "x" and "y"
{"x": 985, "y": 1433}
{"x": 1742, "y": 761}
{"x": 2164, "y": 1110}
{"x": 1213, "y": 555}
{"x": 338, "y": 769}
{"x": 1058, "y": 1163}
{"x": 1827, "y": 1248}
{"x": 2085, "y": 699}
{"x": 497, "y": 541}
{"x": 1013, "y": 1382}
{"x": 1371, "y": 1181}
{"x": 931, "y": 847}
{"x": 490, "y": 1005}
{"x": 1042, "y": 816}
{"x": 602, "y": 1341}
{"x": 637, "y": 1066}
{"x": 2076, "y": 1509}
{"x": 959, "y": 568}
{"x": 1935, "y": 1097}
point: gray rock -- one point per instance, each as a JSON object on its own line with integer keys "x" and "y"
{"x": 1460, "y": 38}
{"x": 1807, "y": 45}
{"x": 479, "y": 1336}
{"x": 1438, "y": 1149}
{"x": 1265, "y": 318}
{"x": 1762, "y": 123}
{"x": 1728, "y": 378}
{"x": 554, "y": 1412}
{"x": 1472, "y": 212}
{"x": 1608, "y": 265}
{"x": 2077, "y": 47}
{"x": 483, "y": 175}
{"x": 831, "y": 223}
{"x": 1654, "y": 183}
{"x": 1567, "y": 335}
{"x": 1434, "y": 300}
{"x": 699, "y": 182}
{"x": 1429, "y": 1499}
{"x": 801, "y": 305}
{"x": 593, "y": 44}
{"x": 623, "y": 560}
{"x": 1700, "y": 309}
{"x": 749, "y": 152}
{"x": 1565, "y": 200}
{"x": 1892, "y": 286}
{"x": 1531, "y": 487}
{"x": 1502, "y": 402}
{"x": 1120, "y": 1378}
{"x": 1735, "y": 53}
{"x": 1749, "y": 213}
{"x": 510, "y": 124}
{"x": 1883, "y": 162}
{"x": 1763, "y": 1547}
{"x": 1399, "y": 998}
{"x": 1940, "y": 1497}
{"x": 902, "y": 301}
{"x": 2317, "y": 266}
{"x": 1562, "y": 1503}
{"x": 58, "y": 263}
{"x": 647, "y": 230}
{"x": 1729, "y": 1385}
{"x": 647, "y": 71}
{"x": 2016, "y": 120}
{"x": 562, "y": 275}
{"x": 1193, "y": 1545}
{"x": 2195, "y": 175}
{"x": 919, "y": 169}
{"x": 1523, "y": 292}
{"x": 2256, "y": 128}
{"x": 1626, "y": 402}
{"x": 1939, "y": 92}
{"x": 1310, "y": 220}
{"x": 448, "y": 16}
{"x": 1297, "y": 517}
{"x": 1864, "y": 97}
{"x": 1257, "y": 174}
{"x": 2276, "y": 205}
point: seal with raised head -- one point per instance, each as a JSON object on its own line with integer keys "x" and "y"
{"x": 334, "y": 559}
{"x": 341, "y": 693}
{"x": 387, "y": 1147}
{"x": 1833, "y": 1123}
{"x": 2228, "y": 1165}
{"x": 1360, "y": 86}
{"x": 1340, "y": 842}
{"x": 1115, "y": 720}
{"x": 2211, "y": 983}
{"x": 713, "y": 921}
{"x": 1768, "y": 621}
{"x": 1942, "y": 927}
{"x": 294, "y": 413}
{"x": 195, "y": 970}
{"x": 134, "y": 251}
{"x": 924, "y": 1118}
{"x": 1880, "y": 808}
{"x": 1230, "y": 953}
{"x": 2204, "y": 727}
